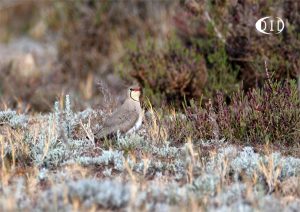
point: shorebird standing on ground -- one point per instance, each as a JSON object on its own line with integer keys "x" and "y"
{"x": 125, "y": 119}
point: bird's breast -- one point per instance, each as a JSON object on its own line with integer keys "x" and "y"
{"x": 137, "y": 124}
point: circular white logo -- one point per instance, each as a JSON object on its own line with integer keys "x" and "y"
{"x": 269, "y": 25}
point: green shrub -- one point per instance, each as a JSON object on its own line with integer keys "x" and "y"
{"x": 169, "y": 74}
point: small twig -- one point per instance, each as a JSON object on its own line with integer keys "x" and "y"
{"x": 218, "y": 33}
{"x": 213, "y": 119}
{"x": 267, "y": 72}
{"x": 88, "y": 130}
{"x": 156, "y": 117}
{"x": 241, "y": 59}
{"x": 298, "y": 84}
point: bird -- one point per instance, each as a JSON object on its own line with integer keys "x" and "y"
{"x": 125, "y": 119}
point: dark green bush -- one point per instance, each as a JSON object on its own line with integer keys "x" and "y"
{"x": 170, "y": 74}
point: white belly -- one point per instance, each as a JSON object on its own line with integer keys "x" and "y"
{"x": 137, "y": 125}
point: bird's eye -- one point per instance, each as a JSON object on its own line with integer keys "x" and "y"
{"x": 131, "y": 89}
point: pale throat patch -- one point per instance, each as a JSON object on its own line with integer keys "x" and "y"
{"x": 135, "y": 95}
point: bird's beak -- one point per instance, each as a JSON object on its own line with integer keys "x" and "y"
{"x": 135, "y": 89}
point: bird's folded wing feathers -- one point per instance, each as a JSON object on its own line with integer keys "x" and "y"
{"x": 125, "y": 118}
{"x": 129, "y": 121}
{"x": 122, "y": 120}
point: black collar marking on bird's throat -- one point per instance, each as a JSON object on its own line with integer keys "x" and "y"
{"x": 133, "y": 98}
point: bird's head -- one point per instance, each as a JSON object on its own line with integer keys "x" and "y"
{"x": 134, "y": 93}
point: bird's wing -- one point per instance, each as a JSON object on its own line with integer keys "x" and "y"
{"x": 119, "y": 115}
{"x": 128, "y": 120}
{"x": 122, "y": 119}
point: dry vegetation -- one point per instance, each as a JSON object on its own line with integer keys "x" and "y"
{"x": 51, "y": 162}
{"x": 222, "y": 124}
